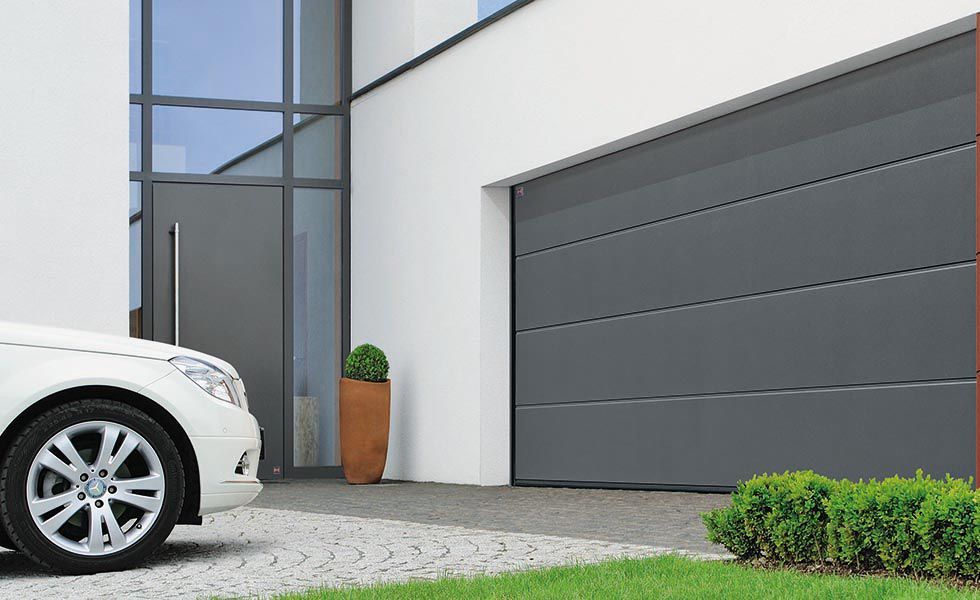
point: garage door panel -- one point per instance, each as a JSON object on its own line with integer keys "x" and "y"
{"x": 716, "y": 441}
{"x": 910, "y": 105}
{"x": 911, "y": 327}
{"x": 906, "y": 216}
{"x": 789, "y": 286}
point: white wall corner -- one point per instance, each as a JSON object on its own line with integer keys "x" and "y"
{"x": 64, "y": 164}
{"x": 383, "y": 37}
{"x": 439, "y": 20}
{"x": 495, "y": 336}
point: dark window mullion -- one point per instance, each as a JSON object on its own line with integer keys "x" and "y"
{"x": 258, "y": 105}
{"x": 346, "y": 66}
{"x": 287, "y": 238}
{"x": 317, "y": 109}
{"x": 346, "y": 62}
{"x": 287, "y": 91}
{"x": 216, "y": 103}
{"x": 320, "y": 109}
{"x": 232, "y": 179}
{"x": 310, "y": 182}
{"x": 146, "y": 87}
{"x": 146, "y": 154}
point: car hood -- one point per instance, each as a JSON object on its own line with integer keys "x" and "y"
{"x": 86, "y": 341}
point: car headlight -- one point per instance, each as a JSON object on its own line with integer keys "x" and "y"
{"x": 210, "y": 378}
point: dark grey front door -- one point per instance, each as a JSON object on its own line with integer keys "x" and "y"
{"x": 231, "y": 288}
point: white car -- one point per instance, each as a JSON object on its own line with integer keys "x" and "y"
{"x": 108, "y": 442}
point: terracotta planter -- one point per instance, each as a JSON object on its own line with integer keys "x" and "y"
{"x": 364, "y": 412}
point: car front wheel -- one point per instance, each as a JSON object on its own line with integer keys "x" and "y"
{"x": 5, "y": 539}
{"x": 91, "y": 485}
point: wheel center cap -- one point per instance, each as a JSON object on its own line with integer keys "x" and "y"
{"x": 95, "y": 488}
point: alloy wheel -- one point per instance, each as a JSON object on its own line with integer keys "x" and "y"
{"x": 95, "y": 488}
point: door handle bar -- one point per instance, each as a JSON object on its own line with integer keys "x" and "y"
{"x": 175, "y": 231}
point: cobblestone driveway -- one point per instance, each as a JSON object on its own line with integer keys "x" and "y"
{"x": 671, "y": 519}
{"x": 338, "y": 539}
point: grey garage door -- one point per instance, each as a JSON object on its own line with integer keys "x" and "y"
{"x": 790, "y": 286}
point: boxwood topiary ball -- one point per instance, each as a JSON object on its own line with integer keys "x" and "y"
{"x": 366, "y": 363}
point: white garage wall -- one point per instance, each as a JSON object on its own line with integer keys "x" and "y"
{"x": 63, "y": 163}
{"x": 430, "y": 244}
{"x": 394, "y": 42}
{"x": 408, "y": 28}
{"x": 437, "y": 20}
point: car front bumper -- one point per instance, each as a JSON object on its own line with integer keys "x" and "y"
{"x": 221, "y": 434}
{"x": 221, "y": 487}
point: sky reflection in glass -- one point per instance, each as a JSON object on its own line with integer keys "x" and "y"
{"x": 228, "y": 49}
{"x": 216, "y": 140}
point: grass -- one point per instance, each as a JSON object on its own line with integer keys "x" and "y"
{"x": 661, "y": 577}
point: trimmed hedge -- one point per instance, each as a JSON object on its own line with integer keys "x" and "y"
{"x": 918, "y": 525}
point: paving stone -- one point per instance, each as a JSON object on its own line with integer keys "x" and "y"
{"x": 256, "y": 552}
{"x": 339, "y": 535}
{"x": 669, "y": 519}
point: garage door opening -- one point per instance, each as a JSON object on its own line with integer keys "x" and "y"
{"x": 790, "y": 286}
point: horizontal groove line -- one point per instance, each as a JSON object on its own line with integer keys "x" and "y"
{"x": 625, "y": 485}
{"x": 755, "y": 197}
{"x": 761, "y": 392}
{"x": 749, "y": 296}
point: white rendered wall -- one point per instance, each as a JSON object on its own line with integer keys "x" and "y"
{"x": 383, "y": 35}
{"x": 64, "y": 163}
{"x": 388, "y": 33}
{"x": 438, "y": 20}
{"x": 430, "y": 244}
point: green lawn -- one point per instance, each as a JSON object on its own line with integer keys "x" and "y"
{"x": 663, "y": 577}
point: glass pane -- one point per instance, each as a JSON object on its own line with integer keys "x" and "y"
{"x": 316, "y": 326}
{"x": 135, "y": 45}
{"x": 135, "y": 259}
{"x": 135, "y": 137}
{"x": 216, "y": 140}
{"x": 317, "y": 142}
{"x": 485, "y": 8}
{"x": 317, "y": 51}
{"x": 218, "y": 49}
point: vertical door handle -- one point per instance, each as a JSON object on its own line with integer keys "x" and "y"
{"x": 175, "y": 231}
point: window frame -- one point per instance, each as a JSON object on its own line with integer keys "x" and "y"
{"x": 146, "y": 99}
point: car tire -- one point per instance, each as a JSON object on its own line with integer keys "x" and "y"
{"x": 5, "y": 540}
{"x": 133, "y": 503}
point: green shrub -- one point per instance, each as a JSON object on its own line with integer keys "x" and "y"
{"x": 918, "y": 525}
{"x": 781, "y": 517}
{"x": 872, "y": 525}
{"x": 947, "y": 529}
{"x": 852, "y": 514}
{"x": 366, "y": 363}
{"x": 798, "y": 521}
{"x": 726, "y": 526}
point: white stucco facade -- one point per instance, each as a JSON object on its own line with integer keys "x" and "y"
{"x": 63, "y": 162}
{"x": 432, "y": 153}
{"x": 410, "y": 27}
{"x": 553, "y": 83}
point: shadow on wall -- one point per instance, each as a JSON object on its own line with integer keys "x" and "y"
{"x": 399, "y": 450}
{"x": 494, "y": 388}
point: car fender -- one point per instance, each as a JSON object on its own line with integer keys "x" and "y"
{"x": 30, "y": 374}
